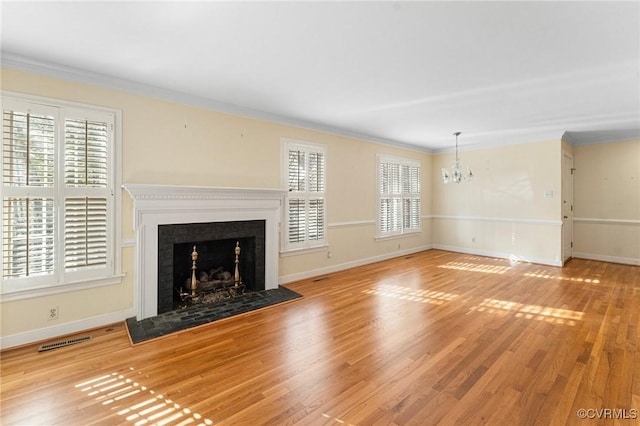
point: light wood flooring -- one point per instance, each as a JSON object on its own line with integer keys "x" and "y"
{"x": 431, "y": 338}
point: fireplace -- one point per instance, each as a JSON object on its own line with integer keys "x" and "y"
{"x": 158, "y": 205}
{"x": 215, "y": 243}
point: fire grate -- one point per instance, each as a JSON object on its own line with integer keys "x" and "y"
{"x": 57, "y": 345}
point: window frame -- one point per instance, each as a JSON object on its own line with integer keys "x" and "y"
{"x": 400, "y": 196}
{"x": 62, "y": 280}
{"x": 306, "y": 245}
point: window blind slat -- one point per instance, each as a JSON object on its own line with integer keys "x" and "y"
{"x": 316, "y": 219}
{"x": 86, "y": 148}
{"x": 28, "y": 149}
{"x": 85, "y": 232}
{"x": 297, "y": 222}
{"x": 28, "y": 236}
{"x": 297, "y": 171}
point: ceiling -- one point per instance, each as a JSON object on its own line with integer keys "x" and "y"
{"x": 405, "y": 73}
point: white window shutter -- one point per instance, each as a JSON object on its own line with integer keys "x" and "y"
{"x": 28, "y": 154}
{"x": 306, "y": 206}
{"x": 85, "y": 153}
{"x": 57, "y": 194}
{"x": 398, "y": 196}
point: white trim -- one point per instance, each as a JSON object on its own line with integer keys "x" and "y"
{"x": 156, "y": 205}
{"x": 169, "y": 193}
{"x": 50, "y": 290}
{"x": 307, "y": 250}
{"x": 128, "y": 242}
{"x": 413, "y": 233}
{"x": 500, "y": 219}
{"x": 351, "y": 223}
{"x": 64, "y": 329}
{"x": 403, "y": 161}
{"x": 367, "y": 222}
{"x": 602, "y": 221}
{"x": 605, "y": 258}
{"x": 285, "y": 279}
{"x": 489, "y": 253}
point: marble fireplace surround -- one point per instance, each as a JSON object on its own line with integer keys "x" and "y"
{"x": 172, "y": 204}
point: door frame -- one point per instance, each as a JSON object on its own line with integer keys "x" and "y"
{"x": 567, "y": 206}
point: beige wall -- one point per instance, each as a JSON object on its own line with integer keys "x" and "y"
{"x": 512, "y": 207}
{"x": 170, "y": 143}
{"x": 505, "y": 211}
{"x": 607, "y": 202}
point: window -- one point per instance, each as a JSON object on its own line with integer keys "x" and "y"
{"x": 306, "y": 207}
{"x": 398, "y": 196}
{"x": 58, "y": 194}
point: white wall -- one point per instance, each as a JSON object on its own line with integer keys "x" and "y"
{"x": 607, "y": 202}
{"x": 511, "y": 208}
{"x": 170, "y": 143}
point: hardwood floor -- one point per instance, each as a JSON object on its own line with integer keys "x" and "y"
{"x": 433, "y": 338}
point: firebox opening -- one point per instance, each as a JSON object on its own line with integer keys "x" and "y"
{"x": 215, "y": 244}
{"x": 213, "y": 255}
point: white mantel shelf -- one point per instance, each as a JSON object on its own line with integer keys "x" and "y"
{"x": 156, "y": 205}
{"x": 140, "y": 191}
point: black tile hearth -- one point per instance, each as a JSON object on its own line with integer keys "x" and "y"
{"x": 182, "y": 319}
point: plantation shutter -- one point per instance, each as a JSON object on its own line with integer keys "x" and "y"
{"x": 316, "y": 228}
{"x": 57, "y": 195}
{"x": 297, "y": 185}
{"x": 306, "y": 225}
{"x": 390, "y": 198}
{"x": 411, "y": 197}
{"x": 399, "y": 196}
{"x": 28, "y": 155}
{"x": 87, "y": 195}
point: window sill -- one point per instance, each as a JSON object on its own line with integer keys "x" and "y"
{"x": 306, "y": 250}
{"x": 58, "y": 289}
{"x": 396, "y": 236}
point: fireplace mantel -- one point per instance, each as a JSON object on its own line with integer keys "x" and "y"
{"x": 172, "y": 204}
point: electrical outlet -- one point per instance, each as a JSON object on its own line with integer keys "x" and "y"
{"x": 53, "y": 313}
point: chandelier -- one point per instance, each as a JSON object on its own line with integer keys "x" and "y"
{"x": 456, "y": 173}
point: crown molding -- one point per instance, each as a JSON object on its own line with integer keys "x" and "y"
{"x": 576, "y": 132}
{"x": 21, "y": 63}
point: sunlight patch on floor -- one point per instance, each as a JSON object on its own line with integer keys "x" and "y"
{"x": 412, "y": 294}
{"x": 535, "y": 312}
{"x": 115, "y": 388}
{"x": 546, "y": 276}
{"x": 476, "y": 267}
{"x": 335, "y": 419}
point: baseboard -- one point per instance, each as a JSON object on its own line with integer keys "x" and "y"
{"x": 489, "y": 253}
{"x": 47, "y": 333}
{"x": 604, "y": 258}
{"x": 348, "y": 265}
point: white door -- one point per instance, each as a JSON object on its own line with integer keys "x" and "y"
{"x": 567, "y": 206}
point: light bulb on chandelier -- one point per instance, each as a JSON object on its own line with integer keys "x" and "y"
{"x": 456, "y": 173}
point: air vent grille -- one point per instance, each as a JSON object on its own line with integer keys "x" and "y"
{"x": 57, "y": 345}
